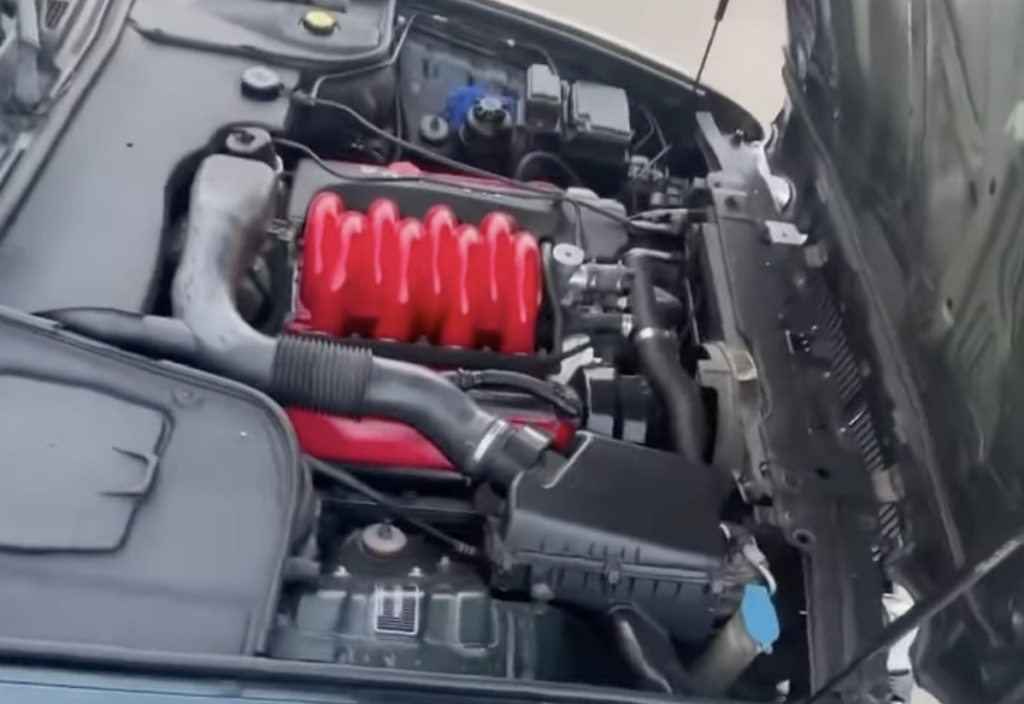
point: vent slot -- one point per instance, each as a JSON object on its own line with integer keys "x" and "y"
{"x": 845, "y": 369}
{"x": 397, "y": 610}
{"x": 849, "y": 380}
{"x": 56, "y": 11}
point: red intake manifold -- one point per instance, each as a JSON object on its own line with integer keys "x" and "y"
{"x": 386, "y": 277}
{"x": 382, "y": 276}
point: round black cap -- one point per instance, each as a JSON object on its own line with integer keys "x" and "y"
{"x": 261, "y": 83}
{"x": 251, "y": 143}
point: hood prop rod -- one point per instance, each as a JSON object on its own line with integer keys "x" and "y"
{"x": 924, "y": 611}
{"x": 723, "y": 6}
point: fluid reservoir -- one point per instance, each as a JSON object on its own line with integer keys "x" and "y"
{"x": 751, "y": 631}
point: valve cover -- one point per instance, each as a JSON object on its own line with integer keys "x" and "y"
{"x": 379, "y": 275}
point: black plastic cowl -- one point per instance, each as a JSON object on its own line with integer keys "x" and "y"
{"x": 121, "y": 520}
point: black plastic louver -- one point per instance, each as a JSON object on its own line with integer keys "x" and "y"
{"x": 845, "y": 368}
{"x": 847, "y": 374}
{"x": 55, "y": 12}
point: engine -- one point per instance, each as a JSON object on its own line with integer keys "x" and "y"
{"x": 500, "y": 422}
{"x": 431, "y": 289}
{"x": 469, "y": 279}
{"x": 469, "y": 283}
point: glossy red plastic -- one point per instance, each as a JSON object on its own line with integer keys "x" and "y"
{"x": 380, "y": 275}
{"x": 372, "y": 442}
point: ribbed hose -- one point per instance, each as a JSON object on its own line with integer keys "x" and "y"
{"x": 321, "y": 375}
{"x": 657, "y": 349}
{"x": 327, "y": 376}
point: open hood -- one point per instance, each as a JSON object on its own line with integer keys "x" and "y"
{"x": 915, "y": 111}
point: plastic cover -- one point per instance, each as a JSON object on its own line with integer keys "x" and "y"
{"x": 620, "y": 523}
{"x": 144, "y": 505}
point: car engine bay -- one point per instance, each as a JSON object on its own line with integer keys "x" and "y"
{"x": 565, "y": 393}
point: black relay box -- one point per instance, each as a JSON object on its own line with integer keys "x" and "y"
{"x": 587, "y": 122}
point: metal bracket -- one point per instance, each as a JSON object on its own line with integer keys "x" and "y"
{"x": 785, "y": 233}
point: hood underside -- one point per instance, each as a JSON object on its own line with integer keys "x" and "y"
{"x": 917, "y": 105}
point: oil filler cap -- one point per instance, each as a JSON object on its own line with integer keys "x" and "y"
{"x": 319, "y": 22}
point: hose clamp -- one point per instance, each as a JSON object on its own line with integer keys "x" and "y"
{"x": 493, "y": 434}
{"x": 651, "y": 333}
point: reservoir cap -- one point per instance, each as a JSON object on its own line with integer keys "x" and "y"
{"x": 319, "y": 22}
{"x": 760, "y": 617}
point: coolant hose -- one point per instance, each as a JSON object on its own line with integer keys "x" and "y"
{"x": 657, "y": 348}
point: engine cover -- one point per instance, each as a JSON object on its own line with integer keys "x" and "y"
{"x": 380, "y": 275}
{"x": 423, "y": 284}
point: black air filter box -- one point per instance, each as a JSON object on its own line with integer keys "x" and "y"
{"x": 617, "y": 523}
{"x": 142, "y": 504}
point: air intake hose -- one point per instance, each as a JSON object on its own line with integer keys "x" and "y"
{"x": 327, "y": 376}
{"x": 657, "y": 348}
{"x": 228, "y": 217}
{"x": 229, "y": 210}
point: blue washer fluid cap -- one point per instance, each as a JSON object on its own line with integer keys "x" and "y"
{"x": 461, "y": 100}
{"x": 759, "y": 616}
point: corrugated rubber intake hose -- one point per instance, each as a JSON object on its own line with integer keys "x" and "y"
{"x": 324, "y": 375}
{"x": 656, "y": 347}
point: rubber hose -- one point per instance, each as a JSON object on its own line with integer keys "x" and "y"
{"x": 656, "y": 347}
{"x": 230, "y": 207}
{"x": 473, "y": 439}
{"x": 327, "y": 376}
{"x": 563, "y": 399}
{"x": 648, "y": 652}
{"x": 528, "y": 160}
{"x": 149, "y": 335}
{"x": 320, "y": 375}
